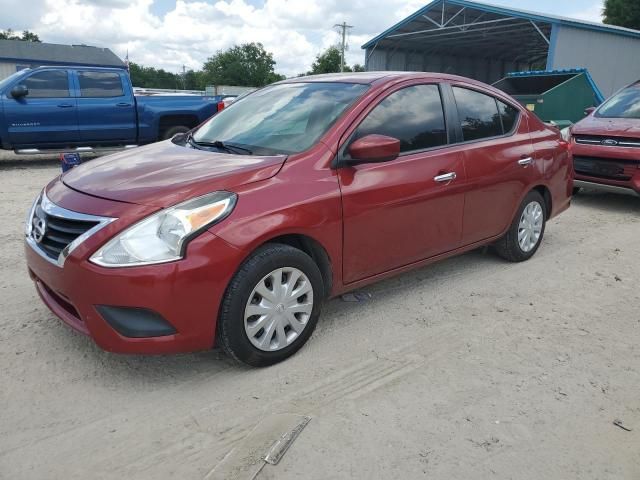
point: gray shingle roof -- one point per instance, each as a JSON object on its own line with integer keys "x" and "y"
{"x": 51, "y": 53}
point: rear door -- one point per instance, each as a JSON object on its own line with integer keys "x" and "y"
{"x": 498, "y": 160}
{"x": 47, "y": 115}
{"x": 400, "y": 212}
{"x": 106, "y": 107}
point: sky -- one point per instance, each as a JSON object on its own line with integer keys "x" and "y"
{"x": 171, "y": 33}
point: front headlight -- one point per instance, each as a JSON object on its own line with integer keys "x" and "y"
{"x": 163, "y": 236}
{"x": 28, "y": 224}
{"x": 566, "y": 134}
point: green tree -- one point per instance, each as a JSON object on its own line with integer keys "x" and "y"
{"x": 194, "y": 80}
{"x": 623, "y": 13}
{"x": 27, "y": 36}
{"x": 329, "y": 62}
{"x": 149, "y": 77}
{"x": 248, "y": 65}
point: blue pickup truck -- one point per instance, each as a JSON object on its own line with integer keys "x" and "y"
{"x": 61, "y": 108}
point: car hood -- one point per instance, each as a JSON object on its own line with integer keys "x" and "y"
{"x": 620, "y": 127}
{"x": 163, "y": 174}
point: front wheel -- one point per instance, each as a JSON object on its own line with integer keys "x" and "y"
{"x": 271, "y": 306}
{"x": 525, "y": 234}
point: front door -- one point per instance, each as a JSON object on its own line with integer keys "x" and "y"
{"x": 408, "y": 209}
{"x": 47, "y": 115}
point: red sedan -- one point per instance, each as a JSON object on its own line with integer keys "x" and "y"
{"x": 606, "y": 144}
{"x": 234, "y": 234}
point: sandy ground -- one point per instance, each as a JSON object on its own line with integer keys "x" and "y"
{"x": 471, "y": 368}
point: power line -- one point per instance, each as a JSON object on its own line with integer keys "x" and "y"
{"x": 344, "y": 27}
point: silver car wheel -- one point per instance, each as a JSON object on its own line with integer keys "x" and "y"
{"x": 278, "y": 309}
{"x": 530, "y": 226}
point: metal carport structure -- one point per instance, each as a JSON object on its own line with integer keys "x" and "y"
{"x": 486, "y": 42}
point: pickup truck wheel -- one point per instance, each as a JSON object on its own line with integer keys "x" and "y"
{"x": 271, "y": 306}
{"x": 525, "y": 234}
{"x": 171, "y": 131}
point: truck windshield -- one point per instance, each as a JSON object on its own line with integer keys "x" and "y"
{"x": 626, "y": 104}
{"x": 287, "y": 118}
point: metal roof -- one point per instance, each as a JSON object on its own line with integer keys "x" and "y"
{"x": 470, "y": 20}
{"x": 51, "y": 53}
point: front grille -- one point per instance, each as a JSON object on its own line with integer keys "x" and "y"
{"x": 605, "y": 168}
{"x": 58, "y": 232}
{"x": 54, "y": 231}
{"x": 608, "y": 141}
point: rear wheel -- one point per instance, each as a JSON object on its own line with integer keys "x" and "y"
{"x": 525, "y": 234}
{"x": 171, "y": 131}
{"x": 271, "y": 306}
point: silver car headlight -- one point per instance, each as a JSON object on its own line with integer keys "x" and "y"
{"x": 28, "y": 224}
{"x": 162, "y": 237}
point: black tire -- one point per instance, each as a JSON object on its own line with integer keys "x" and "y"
{"x": 508, "y": 246}
{"x": 231, "y": 334}
{"x": 576, "y": 191}
{"x": 171, "y": 131}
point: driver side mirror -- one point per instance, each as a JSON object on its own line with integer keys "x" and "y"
{"x": 19, "y": 91}
{"x": 373, "y": 149}
{"x": 589, "y": 110}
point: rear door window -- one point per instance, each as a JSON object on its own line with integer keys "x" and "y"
{"x": 100, "y": 84}
{"x": 48, "y": 84}
{"x": 508, "y": 115}
{"x": 478, "y": 114}
{"x": 413, "y": 115}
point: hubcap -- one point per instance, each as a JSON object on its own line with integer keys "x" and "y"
{"x": 530, "y": 227}
{"x": 278, "y": 309}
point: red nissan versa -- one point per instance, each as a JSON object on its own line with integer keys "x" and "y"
{"x": 235, "y": 233}
{"x": 606, "y": 144}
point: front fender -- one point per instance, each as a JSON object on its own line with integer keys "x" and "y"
{"x": 302, "y": 199}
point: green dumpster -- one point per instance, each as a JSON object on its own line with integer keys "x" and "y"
{"x": 558, "y": 96}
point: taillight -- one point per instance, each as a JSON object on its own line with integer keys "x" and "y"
{"x": 220, "y": 105}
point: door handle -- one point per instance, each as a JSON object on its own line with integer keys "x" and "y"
{"x": 445, "y": 177}
{"x": 65, "y": 105}
{"x": 123, "y": 104}
{"x": 525, "y": 161}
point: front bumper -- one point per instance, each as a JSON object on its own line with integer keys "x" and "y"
{"x": 624, "y": 173}
{"x": 605, "y": 187}
{"x": 185, "y": 293}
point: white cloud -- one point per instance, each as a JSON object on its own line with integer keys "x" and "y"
{"x": 294, "y": 31}
{"x": 592, "y": 13}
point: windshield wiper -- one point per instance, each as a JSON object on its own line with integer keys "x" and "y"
{"x": 227, "y": 147}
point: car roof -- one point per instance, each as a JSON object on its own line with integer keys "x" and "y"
{"x": 380, "y": 77}
{"x": 76, "y": 67}
{"x": 384, "y": 77}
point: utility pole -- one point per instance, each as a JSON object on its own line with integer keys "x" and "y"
{"x": 343, "y": 26}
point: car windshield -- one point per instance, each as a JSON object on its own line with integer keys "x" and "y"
{"x": 286, "y": 118}
{"x": 9, "y": 79}
{"x": 625, "y": 104}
